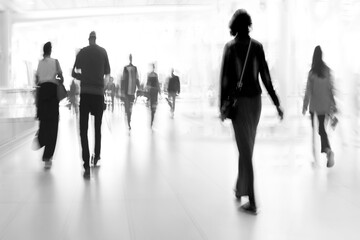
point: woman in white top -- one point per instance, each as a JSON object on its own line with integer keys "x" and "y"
{"x": 320, "y": 95}
{"x": 48, "y": 76}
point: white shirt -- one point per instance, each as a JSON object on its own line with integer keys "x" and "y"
{"x": 47, "y": 70}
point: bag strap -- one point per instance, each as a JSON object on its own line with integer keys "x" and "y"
{"x": 240, "y": 83}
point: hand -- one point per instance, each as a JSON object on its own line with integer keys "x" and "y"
{"x": 280, "y": 112}
{"x": 304, "y": 111}
{"x": 222, "y": 117}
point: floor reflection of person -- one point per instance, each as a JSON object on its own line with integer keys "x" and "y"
{"x": 91, "y": 65}
{"x": 319, "y": 95}
{"x": 153, "y": 89}
{"x": 173, "y": 90}
{"x": 48, "y": 76}
{"x": 248, "y": 97}
{"x": 129, "y": 83}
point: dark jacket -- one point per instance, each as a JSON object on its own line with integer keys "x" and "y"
{"x": 174, "y": 84}
{"x": 256, "y": 64}
{"x": 127, "y": 80}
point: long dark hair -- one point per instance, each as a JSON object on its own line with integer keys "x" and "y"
{"x": 318, "y": 66}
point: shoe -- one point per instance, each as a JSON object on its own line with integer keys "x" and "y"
{"x": 94, "y": 160}
{"x": 249, "y": 209}
{"x": 87, "y": 174}
{"x": 48, "y": 164}
{"x": 330, "y": 159}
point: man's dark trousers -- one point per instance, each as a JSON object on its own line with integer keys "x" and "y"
{"x": 94, "y": 105}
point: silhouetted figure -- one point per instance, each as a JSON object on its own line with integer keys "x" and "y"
{"x": 320, "y": 94}
{"x": 128, "y": 87}
{"x": 90, "y": 66}
{"x": 48, "y": 76}
{"x": 247, "y": 97}
{"x": 173, "y": 90}
{"x": 153, "y": 89}
{"x": 111, "y": 92}
{"x": 73, "y": 97}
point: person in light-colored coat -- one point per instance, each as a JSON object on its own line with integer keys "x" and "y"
{"x": 319, "y": 98}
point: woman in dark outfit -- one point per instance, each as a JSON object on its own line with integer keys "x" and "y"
{"x": 153, "y": 88}
{"x": 248, "y": 98}
{"x": 48, "y": 76}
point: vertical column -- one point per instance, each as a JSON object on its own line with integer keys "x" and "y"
{"x": 5, "y": 46}
{"x": 284, "y": 60}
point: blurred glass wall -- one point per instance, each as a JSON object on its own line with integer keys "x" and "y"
{"x": 191, "y": 40}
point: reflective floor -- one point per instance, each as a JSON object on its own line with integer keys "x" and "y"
{"x": 176, "y": 181}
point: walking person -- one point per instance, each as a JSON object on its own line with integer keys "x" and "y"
{"x": 173, "y": 90}
{"x": 319, "y": 95}
{"x": 111, "y": 92}
{"x": 73, "y": 97}
{"x": 129, "y": 84}
{"x": 153, "y": 89}
{"x": 91, "y": 65}
{"x": 48, "y": 77}
{"x": 243, "y": 61}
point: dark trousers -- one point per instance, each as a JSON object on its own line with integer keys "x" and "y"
{"x": 94, "y": 105}
{"x": 245, "y": 122}
{"x": 129, "y": 102}
{"x": 325, "y": 144}
{"x": 47, "y": 136}
{"x": 172, "y": 98}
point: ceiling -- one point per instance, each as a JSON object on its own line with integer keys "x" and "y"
{"x": 20, "y": 6}
{"x": 35, "y": 10}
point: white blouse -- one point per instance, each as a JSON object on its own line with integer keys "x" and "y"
{"x": 48, "y": 69}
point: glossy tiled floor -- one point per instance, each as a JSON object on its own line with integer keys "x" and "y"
{"x": 176, "y": 181}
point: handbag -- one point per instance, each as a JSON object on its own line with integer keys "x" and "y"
{"x": 333, "y": 121}
{"x": 61, "y": 92}
{"x": 229, "y": 105}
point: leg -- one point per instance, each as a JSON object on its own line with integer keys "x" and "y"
{"x": 245, "y": 124}
{"x": 52, "y": 131}
{"x": 42, "y": 133}
{"x": 325, "y": 145}
{"x": 131, "y": 103}
{"x": 312, "y": 115}
{"x": 153, "y": 111}
{"x": 84, "y": 122}
{"x": 98, "y": 121}
{"x": 173, "y": 102}
{"x": 112, "y": 103}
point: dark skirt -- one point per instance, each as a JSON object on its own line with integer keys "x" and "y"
{"x": 245, "y": 122}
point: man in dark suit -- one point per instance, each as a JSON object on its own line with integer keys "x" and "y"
{"x": 173, "y": 90}
{"x": 129, "y": 83}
